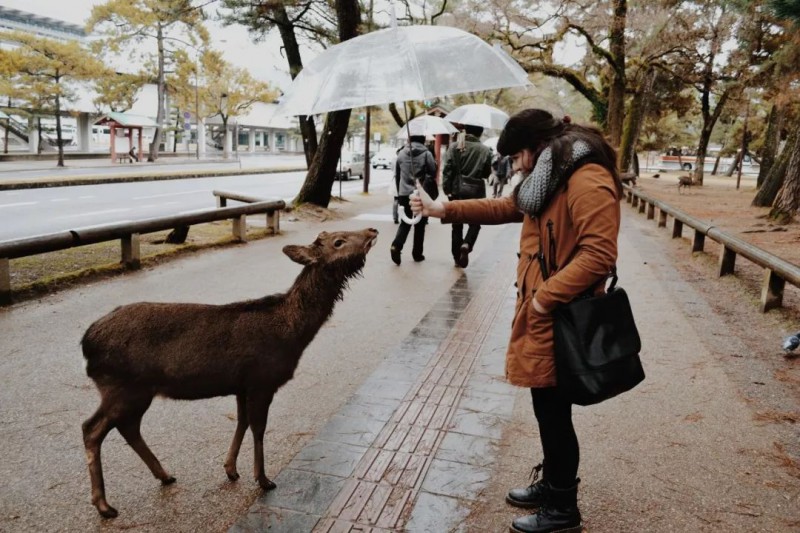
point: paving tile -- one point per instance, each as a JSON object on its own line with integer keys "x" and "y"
{"x": 479, "y": 424}
{"x": 300, "y": 491}
{"x": 370, "y": 406}
{"x": 435, "y": 513}
{"x": 274, "y": 520}
{"x": 397, "y": 370}
{"x": 468, "y": 449}
{"x": 360, "y": 431}
{"x": 495, "y": 385}
{"x": 384, "y": 388}
{"x": 486, "y": 402}
{"x": 398, "y": 500}
{"x": 458, "y": 480}
{"x": 331, "y": 458}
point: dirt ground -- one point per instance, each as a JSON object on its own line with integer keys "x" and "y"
{"x": 768, "y": 382}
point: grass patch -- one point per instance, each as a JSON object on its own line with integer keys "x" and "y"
{"x": 45, "y": 273}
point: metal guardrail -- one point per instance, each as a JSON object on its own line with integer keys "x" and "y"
{"x": 128, "y": 234}
{"x": 777, "y": 271}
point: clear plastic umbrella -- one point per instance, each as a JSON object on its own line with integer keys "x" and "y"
{"x": 481, "y": 115}
{"x": 400, "y": 64}
{"x": 426, "y": 125}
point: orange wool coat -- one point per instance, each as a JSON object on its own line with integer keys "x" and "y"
{"x": 586, "y": 219}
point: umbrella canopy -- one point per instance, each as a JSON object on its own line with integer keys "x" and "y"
{"x": 481, "y": 115}
{"x": 491, "y": 142}
{"x": 426, "y": 125}
{"x": 399, "y": 64}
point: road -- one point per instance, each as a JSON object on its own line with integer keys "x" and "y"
{"x": 31, "y": 212}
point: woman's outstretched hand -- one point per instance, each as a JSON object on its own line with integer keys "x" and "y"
{"x": 422, "y": 203}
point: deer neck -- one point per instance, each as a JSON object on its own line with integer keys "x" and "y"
{"x": 312, "y": 298}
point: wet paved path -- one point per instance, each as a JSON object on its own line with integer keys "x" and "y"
{"x": 415, "y": 445}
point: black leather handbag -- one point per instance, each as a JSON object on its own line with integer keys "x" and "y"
{"x": 597, "y": 346}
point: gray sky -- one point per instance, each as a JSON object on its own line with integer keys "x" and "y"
{"x": 262, "y": 60}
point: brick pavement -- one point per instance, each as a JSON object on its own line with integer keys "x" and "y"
{"x": 414, "y": 446}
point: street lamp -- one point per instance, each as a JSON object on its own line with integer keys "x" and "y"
{"x": 197, "y": 104}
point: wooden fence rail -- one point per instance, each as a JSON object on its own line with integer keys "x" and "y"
{"x": 128, "y": 234}
{"x": 777, "y": 271}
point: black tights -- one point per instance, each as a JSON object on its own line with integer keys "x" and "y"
{"x": 559, "y": 441}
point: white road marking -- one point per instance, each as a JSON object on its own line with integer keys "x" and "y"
{"x": 85, "y": 197}
{"x": 18, "y": 204}
{"x": 59, "y": 200}
{"x": 374, "y": 216}
{"x": 171, "y": 194}
{"x": 84, "y": 215}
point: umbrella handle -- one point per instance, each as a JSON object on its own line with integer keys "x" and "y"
{"x": 402, "y": 214}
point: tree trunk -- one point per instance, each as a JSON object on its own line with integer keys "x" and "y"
{"x": 774, "y": 180}
{"x": 633, "y": 123}
{"x": 788, "y": 201}
{"x": 308, "y": 129}
{"x": 177, "y": 129}
{"x": 702, "y": 150}
{"x": 162, "y": 88}
{"x": 736, "y": 162}
{"x": 616, "y": 93}
{"x": 319, "y": 180}
{"x": 771, "y": 142}
{"x": 59, "y": 140}
{"x": 716, "y": 162}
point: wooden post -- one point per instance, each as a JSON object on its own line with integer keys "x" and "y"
{"x": 222, "y": 201}
{"x": 771, "y": 291}
{"x": 635, "y": 201}
{"x": 651, "y": 211}
{"x": 662, "y": 218}
{"x": 677, "y": 228}
{"x": 727, "y": 261}
{"x": 274, "y": 221}
{"x": 113, "y": 130}
{"x": 240, "y": 228}
{"x": 642, "y": 206}
{"x": 699, "y": 241}
{"x": 131, "y": 255}
{"x": 5, "y": 281}
{"x": 629, "y": 197}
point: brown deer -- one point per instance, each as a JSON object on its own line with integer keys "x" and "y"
{"x": 684, "y": 181}
{"x": 192, "y": 351}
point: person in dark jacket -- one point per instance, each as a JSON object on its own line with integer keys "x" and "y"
{"x": 465, "y": 171}
{"x": 424, "y": 170}
{"x": 502, "y": 173}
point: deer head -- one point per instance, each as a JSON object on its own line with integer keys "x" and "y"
{"x": 343, "y": 251}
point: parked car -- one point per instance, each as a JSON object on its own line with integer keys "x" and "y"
{"x": 350, "y": 165}
{"x": 384, "y": 159}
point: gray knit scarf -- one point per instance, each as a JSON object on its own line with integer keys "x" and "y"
{"x": 540, "y": 185}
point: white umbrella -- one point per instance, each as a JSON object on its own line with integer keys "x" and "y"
{"x": 400, "y": 64}
{"x": 426, "y": 125}
{"x": 481, "y": 115}
{"x": 491, "y": 142}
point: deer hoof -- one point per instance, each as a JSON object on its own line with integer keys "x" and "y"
{"x": 233, "y": 476}
{"x": 266, "y": 484}
{"x": 106, "y": 511}
{"x": 168, "y": 481}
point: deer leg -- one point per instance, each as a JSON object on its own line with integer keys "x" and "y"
{"x": 130, "y": 430}
{"x": 257, "y": 410}
{"x": 236, "y": 444}
{"x": 95, "y": 430}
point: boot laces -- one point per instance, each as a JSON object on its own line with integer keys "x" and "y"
{"x": 535, "y": 473}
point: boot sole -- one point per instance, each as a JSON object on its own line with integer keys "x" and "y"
{"x": 574, "y": 529}
{"x": 521, "y": 504}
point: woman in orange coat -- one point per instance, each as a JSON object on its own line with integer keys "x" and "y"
{"x": 568, "y": 203}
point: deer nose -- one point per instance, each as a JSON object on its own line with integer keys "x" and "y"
{"x": 372, "y": 231}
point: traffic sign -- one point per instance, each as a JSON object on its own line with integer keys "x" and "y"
{"x": 186, "y": 114}
{"x": 187, "y": 126}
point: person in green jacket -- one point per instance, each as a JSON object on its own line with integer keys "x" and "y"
{"x": 466, "y": 170}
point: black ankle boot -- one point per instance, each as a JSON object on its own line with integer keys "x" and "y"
{"x": 559, "y": 514}
{"x": 531, "y": 497}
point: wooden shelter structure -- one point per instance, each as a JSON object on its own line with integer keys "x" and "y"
{"x": 129, "y": 123}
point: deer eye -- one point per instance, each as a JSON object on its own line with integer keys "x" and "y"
{"x": 338, "y": 243}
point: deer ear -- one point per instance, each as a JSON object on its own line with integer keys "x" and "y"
{"x": 300, "y": 254}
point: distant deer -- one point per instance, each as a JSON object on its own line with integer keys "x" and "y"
{"x": 192, "y": 351}
{"x": 684, "y": 181}
{"x": 629, "y": 178}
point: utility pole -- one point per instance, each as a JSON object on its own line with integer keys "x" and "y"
{"x": 744, "y": 142}
{"x": 367, "y": 165}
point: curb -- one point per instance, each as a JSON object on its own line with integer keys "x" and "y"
{"x": 40, "y": 183}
